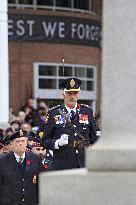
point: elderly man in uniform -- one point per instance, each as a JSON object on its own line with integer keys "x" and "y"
{"x": 69, "y": 128}
{"x": 19, "y": 173}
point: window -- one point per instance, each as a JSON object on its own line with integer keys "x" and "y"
{"x": 45, "y": 2}
{"x": 63, "y": 3}
{"x": 66, "y": 71}
{"x": 70, "y": 4}
{"x": 47, "y": 77}
{"x": 50, "y": 75}
{"x": 29, "y": 2}
{"x": 79, "y": 71}
{"x": 47, "y": 83}
{"x": 90, "y": 73}
{"x": 47, "y": 70}
{"x": 81, "y": 4}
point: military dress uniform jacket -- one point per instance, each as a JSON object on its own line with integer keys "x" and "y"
{"x": 47, "y": 161}
{"x": 19, "y": 186}
{"x": 56, "y": 124}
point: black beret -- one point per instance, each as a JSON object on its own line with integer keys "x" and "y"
{"x": 6, "y": 140}
{"x": 18, "y": 134}
{"x": 70, "y": 84}
{"x": 37, "y": 142}
{"x": 30, "y": 135}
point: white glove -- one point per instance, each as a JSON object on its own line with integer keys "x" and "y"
{"x": 63, "y": 140}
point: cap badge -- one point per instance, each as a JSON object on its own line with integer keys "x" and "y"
{"x": 21, "y": 133}
{"x": 72, "y": 83}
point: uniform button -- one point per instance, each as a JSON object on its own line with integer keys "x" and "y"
{"x": 76, "y": 151}
{"x": 23, "y": 179}
{"x": 23, "y": 199}
{"x": 23, "y": 190}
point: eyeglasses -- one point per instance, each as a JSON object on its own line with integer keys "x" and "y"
{"x": 20, "y": 141}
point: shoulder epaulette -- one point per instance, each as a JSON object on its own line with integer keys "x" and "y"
{"x": 84, "y": 105}
{"x": 55, "y": 107}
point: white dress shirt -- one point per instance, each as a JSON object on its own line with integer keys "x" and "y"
{"x": 18, "y": 157}
{"x": 69, "y": 110}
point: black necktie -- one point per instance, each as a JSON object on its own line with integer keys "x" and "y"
{"x": 72, "y": 116}
{"x": 20, "y": 160}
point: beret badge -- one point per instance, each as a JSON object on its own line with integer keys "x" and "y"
{"x": 20, "y": 133}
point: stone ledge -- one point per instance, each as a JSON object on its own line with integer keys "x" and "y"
{"x": 107, "y": 188}
{"x": 108, "y": 158}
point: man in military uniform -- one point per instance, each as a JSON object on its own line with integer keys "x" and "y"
{"x": 19, "y": 173}
{"x": 46, "y": 156}
{"x": 69, "y": 128}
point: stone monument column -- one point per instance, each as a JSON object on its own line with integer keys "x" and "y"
{"x": 118, "y": 139}
{"x": 110, "y": 174}
{"x": 4, "y": 73}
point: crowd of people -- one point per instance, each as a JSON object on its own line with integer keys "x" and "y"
{"x": 27, "y": 119}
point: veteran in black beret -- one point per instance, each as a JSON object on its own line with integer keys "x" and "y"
{"x": 46, "y": 155}
{"x": 19, "y": 171}
{"x": 69, "y": 128}
{"x": 7, "y": 145}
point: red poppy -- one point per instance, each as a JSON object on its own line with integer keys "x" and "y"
{"x": 46, "y": 166}
{"x": 78, "y": 106}
{"x": 27, "y": 162}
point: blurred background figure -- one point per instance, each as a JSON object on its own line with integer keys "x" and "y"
{"x": 42, "y": 114}
{"x": 1, "y": 141}
{"x": 1, "y": 146}
{"x": 8, "y": 131}
{"x": 26, "y": 126}
{"x": 43, "y": 105}
{"x": 1, "y": 133}
{"x": 21, "y": 115}
{"x": 15, "y": 125}
{"x": 42, "y": 111}
{"x": 11, "y": 115}
{"x": 7, "y": 145}
{"x": 30, "y": 138}
{"x": 31, "y": 112}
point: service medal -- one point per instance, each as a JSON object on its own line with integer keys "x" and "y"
{"x": 59, "y": 119}
{"x": 83, "y": 118}
{"x": 34, "y": 179}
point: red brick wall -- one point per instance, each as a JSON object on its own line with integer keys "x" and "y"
{"x": 23, "y": 55}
